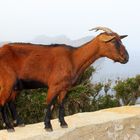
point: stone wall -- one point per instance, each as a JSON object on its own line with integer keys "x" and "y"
{"x": 121, "y": 123}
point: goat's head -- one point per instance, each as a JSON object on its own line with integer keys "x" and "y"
{"x": 111, "y": 45}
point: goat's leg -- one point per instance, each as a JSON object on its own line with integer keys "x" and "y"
{"x": 7, "y": 124}
{"x": 50, "y": 101}
{"x": 47, "y": 121}
{"x": 17, "y": 121}
{"x": 61, "y": 99}
{"x": 5, "y": 95}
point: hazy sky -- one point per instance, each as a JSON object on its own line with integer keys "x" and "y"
{"x": 23, "y": 20}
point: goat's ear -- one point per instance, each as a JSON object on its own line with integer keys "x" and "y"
{"x": 123, "y": 36}
{"x": 106, "y": 38}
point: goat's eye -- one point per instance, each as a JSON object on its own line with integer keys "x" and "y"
{"x": 116, "y": 43}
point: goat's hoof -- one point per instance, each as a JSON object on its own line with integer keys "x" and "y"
{"x": 11, "y": 130}
{"x": 64, "y": 125}
{"x": 48, "y": 129}
{"x": 9, "y": 127}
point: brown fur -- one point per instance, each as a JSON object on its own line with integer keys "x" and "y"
{"x": 58, "y": 67}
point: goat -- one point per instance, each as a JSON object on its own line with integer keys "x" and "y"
{"x": 56, "y": 66}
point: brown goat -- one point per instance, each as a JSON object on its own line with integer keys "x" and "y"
{"x": 55, "y": 66}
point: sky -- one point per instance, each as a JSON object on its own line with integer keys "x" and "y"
{"x": 26, "y": 19}
{"x": 23, "y": 20}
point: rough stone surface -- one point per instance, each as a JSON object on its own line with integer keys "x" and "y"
{"x": 121, "y": 123}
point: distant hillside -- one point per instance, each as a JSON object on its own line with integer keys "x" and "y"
{"x": 61, "y": 40}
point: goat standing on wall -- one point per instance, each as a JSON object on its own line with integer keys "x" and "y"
{"x": 26, "y": 66}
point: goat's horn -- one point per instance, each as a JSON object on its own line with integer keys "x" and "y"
{"x": 107, "y": 30}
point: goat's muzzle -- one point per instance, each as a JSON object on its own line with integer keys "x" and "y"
{"x": 125, "y": 59}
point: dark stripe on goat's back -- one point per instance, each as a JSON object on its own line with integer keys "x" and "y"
{"x": 41, "y": 45}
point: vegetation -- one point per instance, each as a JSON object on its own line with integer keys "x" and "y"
{"x": 84, "y": 97}
{"x": 128, "y": 91}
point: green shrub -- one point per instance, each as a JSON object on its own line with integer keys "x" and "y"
{"x": 128, "y": 90}
{"x": 31, "y": 104}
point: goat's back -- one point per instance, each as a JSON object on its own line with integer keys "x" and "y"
{"x": 35, "y": 62}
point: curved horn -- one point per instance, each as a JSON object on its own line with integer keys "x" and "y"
{"x": 107, "y": 30}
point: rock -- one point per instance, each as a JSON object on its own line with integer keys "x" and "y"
{"x": 122, "y": 123}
